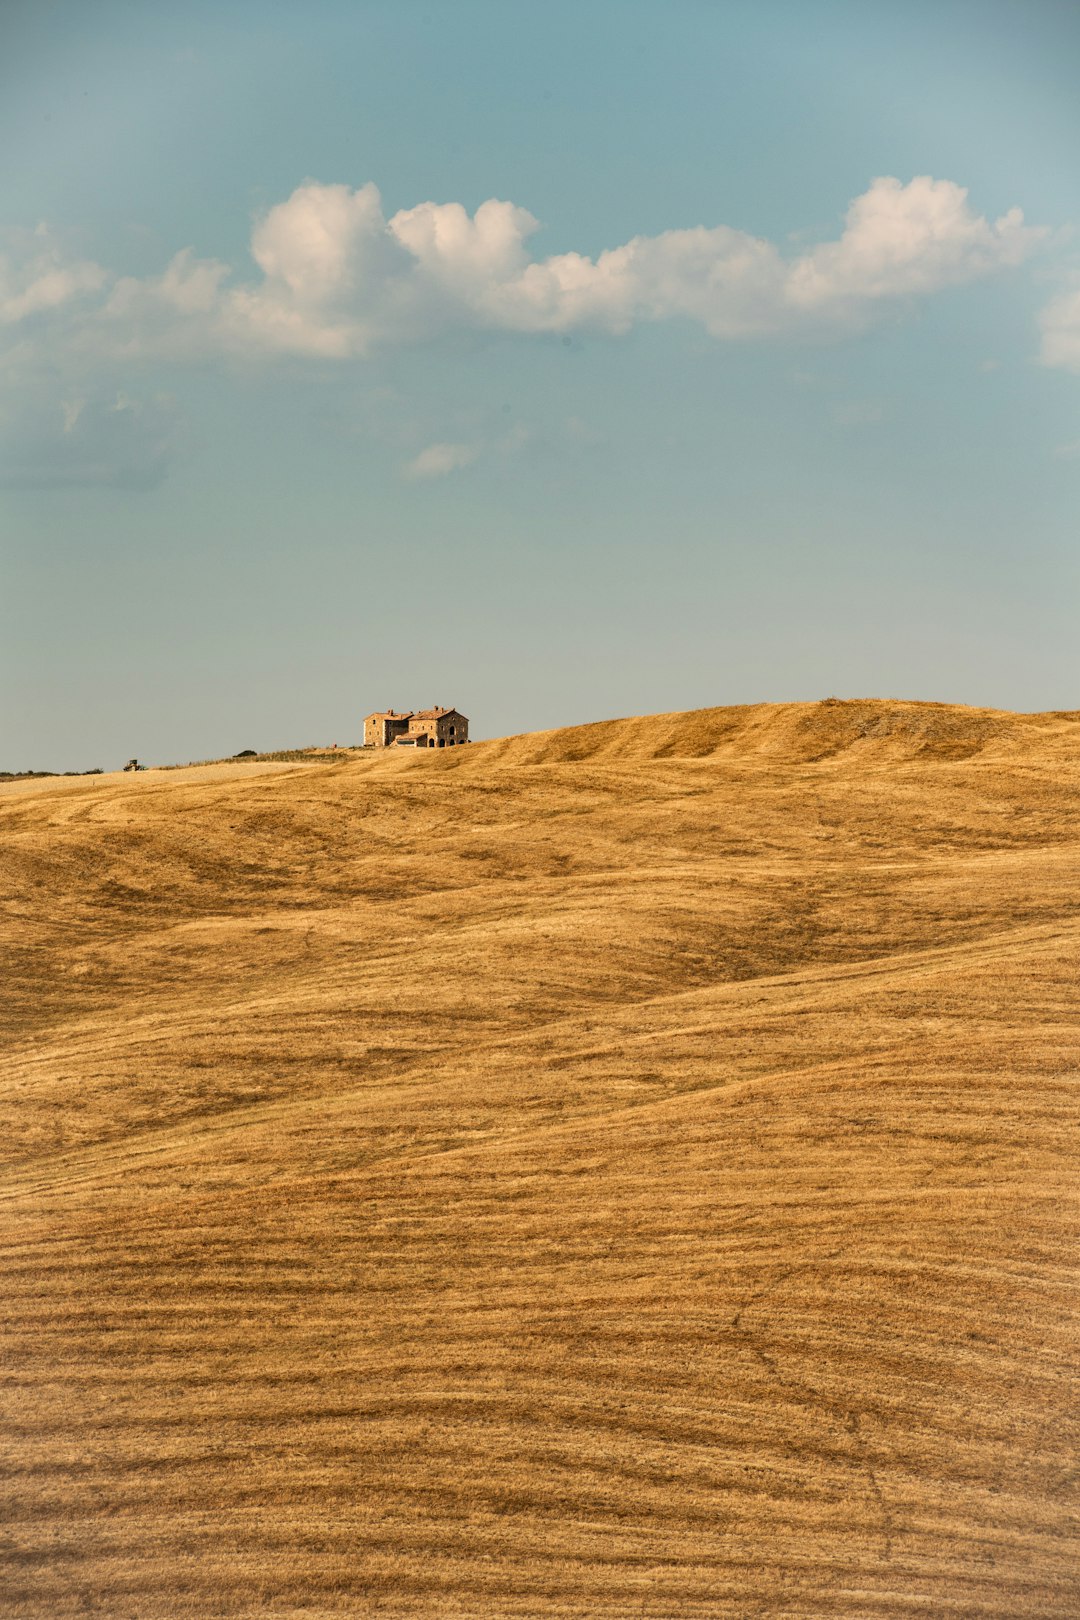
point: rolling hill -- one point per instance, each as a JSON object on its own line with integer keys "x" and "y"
{"x": 621, "y": 1171}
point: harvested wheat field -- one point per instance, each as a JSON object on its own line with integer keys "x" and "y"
{"x": 624, "y": 1171}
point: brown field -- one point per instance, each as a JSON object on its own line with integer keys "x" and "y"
{"x": 625, "y": 1171}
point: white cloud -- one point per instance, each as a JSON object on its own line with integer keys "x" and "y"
{"x": 902, "y": 240}
{"x": 730, "y": 282}
{"x": 320, "y": 243}
{"x": 468, "y": 254}
{"x": 1060, "y": 322}
{"x": 439, "y": 459}
{"x": 178, "y": 313}
{"x": 35, "y": 278}
{"x": 330, "y": 259}
{"x": 336, "y": 277}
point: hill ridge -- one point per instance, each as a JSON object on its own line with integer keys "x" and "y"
{"x": 794, "y": 732}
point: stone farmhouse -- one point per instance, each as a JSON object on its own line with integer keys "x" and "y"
{"x": 416, "y": 728}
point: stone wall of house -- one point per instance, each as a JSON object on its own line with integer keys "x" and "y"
{"x": 377, "y": 732}
{"x": 446, "y": 732}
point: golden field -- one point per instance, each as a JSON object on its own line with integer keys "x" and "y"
{"x": 624, "y": 1171}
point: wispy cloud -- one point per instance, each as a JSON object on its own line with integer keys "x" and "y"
{"x": 439, "y": 459}
{"x": 116, "y": 441}
{"x": 37, "y": 277}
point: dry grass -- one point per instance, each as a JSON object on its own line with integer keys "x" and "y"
{"x": 627, "y": 1171}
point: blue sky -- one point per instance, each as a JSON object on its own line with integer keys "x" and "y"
{"x": 556, "y": 362}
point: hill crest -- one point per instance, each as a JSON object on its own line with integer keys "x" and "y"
{"x": 796, "y": 732}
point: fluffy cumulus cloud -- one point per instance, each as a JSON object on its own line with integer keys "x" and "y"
{"x": 903, "y": 240}
{"x": 336, "y": 277}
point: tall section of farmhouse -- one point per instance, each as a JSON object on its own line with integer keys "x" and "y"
{"x": 416, "y": 728}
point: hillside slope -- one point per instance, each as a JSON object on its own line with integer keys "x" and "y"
{"x": 627, "y": 1170}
